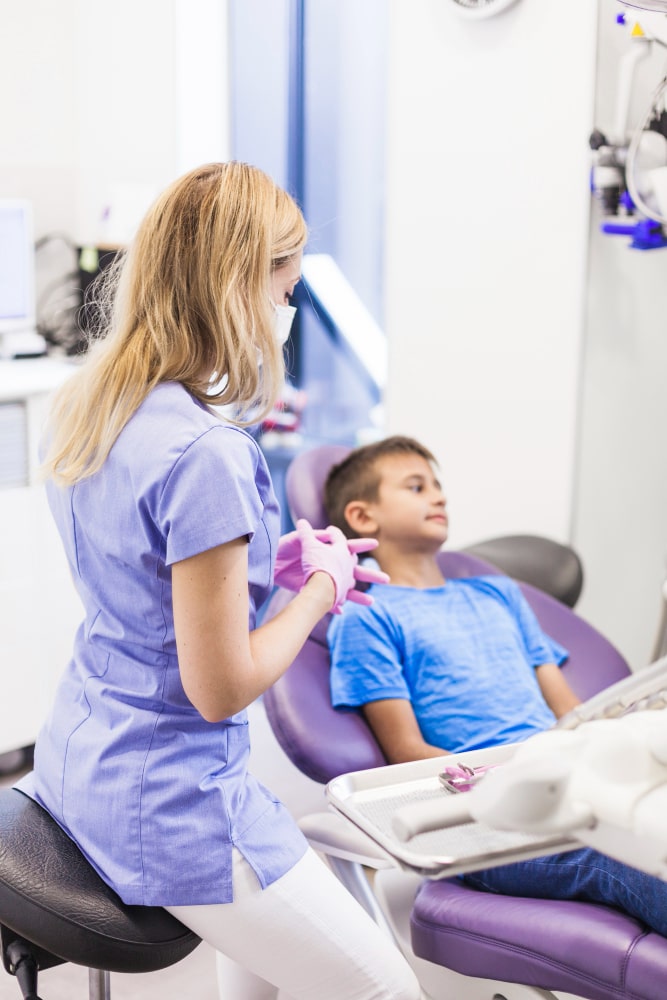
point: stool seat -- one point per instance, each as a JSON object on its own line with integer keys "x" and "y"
{"x": 52, "y": 897}
{"x": 583, "y": 948}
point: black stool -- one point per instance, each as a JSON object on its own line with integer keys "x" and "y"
{"x": 54, "y": 908}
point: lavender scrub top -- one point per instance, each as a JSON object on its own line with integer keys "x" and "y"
{"x": 155, "y": 796}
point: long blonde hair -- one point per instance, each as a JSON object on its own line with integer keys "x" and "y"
{"x": 191, "y": 302}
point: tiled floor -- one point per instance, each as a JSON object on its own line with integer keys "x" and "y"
{"x": 195, "y": 976}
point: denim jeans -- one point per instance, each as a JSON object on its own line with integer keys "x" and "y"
{"x": 583, "y": 874}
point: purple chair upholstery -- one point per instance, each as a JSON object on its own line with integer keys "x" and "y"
{"x": 304, "y": 481}
{"x": 589, "y": 950}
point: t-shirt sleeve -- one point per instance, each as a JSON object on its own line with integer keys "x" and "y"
{"x": 210, "y": 496}
{"x": 540, "y": 648}
{"x": 365, "y": 657}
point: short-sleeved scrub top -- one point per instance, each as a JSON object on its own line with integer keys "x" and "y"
{"x": 155, "y": 796}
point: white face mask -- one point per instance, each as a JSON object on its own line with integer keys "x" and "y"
{"x": 282, "y": 322}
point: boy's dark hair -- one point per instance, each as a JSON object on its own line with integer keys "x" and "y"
{"x": 357, "y": 476}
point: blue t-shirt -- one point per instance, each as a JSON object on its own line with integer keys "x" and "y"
{"x": 155, "y": 796}
{"x": 463, "y": 654}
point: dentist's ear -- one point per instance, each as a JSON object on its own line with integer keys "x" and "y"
{"x": 359, "y": 518}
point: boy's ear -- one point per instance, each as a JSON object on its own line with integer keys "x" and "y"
{"x": 358, "y": 516}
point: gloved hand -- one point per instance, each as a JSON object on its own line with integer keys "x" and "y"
{"x": 306, "y": 551}
{"x": 288, "y": 572}
{"x": 365, "y": 574}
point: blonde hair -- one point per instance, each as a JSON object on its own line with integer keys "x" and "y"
{"x": 191, "y": 302}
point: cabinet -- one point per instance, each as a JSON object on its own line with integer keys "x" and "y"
{"x": 39, "y": 606}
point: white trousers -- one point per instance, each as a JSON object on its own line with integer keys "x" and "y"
{"x": 304, "y": 935}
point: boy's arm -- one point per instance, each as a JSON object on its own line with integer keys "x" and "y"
{"x": 557, "y": 693}
{"x": 396, "y": 729}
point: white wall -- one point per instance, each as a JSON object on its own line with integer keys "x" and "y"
{"x": 124, "y": 110}
{"x": 486, "y": 242}
{"x": 106, "y": 103}
{"x": 39, "y": 95}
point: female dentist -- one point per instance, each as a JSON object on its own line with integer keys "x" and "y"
{"x": 170, "y": 526}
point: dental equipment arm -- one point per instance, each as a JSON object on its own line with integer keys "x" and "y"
{"x": 629, "y": 162}
{"x": 655, "y": 6}
{"x": 604, "y": 783}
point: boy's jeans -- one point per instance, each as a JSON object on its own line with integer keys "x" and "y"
{"x": 583, "y": 874}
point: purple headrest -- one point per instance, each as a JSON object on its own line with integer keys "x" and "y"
{"x": 304, "y": 482}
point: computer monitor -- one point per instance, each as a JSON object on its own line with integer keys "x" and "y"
{"x": 17, "y": 280}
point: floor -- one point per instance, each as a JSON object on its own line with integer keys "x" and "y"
{"x": 195, "y": 976}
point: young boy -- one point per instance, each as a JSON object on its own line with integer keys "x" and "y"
{"x": 441, "y": 665}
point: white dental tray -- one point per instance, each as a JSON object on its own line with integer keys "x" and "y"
{"x": 372, "y": 799}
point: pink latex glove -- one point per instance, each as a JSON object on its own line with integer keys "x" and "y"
{"x": 288, "y": 572}
{"x": 306, "y": 551}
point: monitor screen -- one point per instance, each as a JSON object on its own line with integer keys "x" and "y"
{"x": 17, "y": 266}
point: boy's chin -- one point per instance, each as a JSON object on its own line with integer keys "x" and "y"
{"x": 439, "y": 532}
{"x": 435, "y": 543}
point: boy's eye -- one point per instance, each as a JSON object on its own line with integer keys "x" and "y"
{"x": 416, "y": 487}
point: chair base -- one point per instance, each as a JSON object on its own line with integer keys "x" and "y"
{"x": 19, "y": 959}
{"x": 25, "y": 961}
{"x": 14, "y": 946}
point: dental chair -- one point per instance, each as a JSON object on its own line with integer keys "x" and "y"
{"x": 462, "y": 943}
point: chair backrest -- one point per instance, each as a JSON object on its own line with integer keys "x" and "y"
{"x": 324, "y": 742}
{"x": 551, "y": 566}
{"x": 304, "y": 482}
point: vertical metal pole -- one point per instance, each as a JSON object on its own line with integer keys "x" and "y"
{"x": 296, "y": 158}
{"x": 296, "y": 117}
{"x": 353, "y": 877}
{"x": 99, "y": 985}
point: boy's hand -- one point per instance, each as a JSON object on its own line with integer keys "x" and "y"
{"x": 306, "y": 551}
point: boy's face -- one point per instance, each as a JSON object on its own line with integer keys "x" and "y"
{"x": 411, "y": 508}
